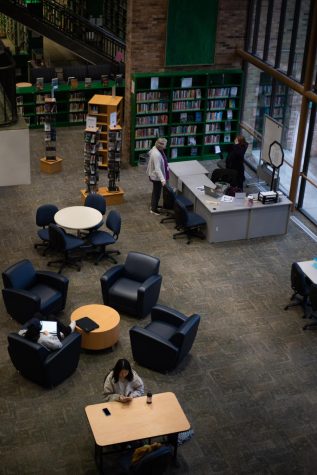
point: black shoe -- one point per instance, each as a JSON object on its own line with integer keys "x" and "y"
{"x": 155, "y": 211}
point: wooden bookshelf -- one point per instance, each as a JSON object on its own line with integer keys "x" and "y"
{"x": 108, "y": 112}
{"x": 196, "y": 111}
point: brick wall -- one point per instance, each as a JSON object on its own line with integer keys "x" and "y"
{"x": 146, "y": 36}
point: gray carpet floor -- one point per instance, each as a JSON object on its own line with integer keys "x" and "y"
{"x": 249, "y": 385}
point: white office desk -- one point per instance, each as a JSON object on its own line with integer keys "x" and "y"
{"x": 309, "y": 269}
{"x": 189, "y": 167}
{"x": 235, "y": 220}
{"x": 78, "y": 217}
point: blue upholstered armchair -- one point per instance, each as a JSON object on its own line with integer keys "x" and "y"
{"x": 27, "y": 291}
{"x": 134, "y": 287}
{"x": 48, "y": 368}
{"x": 166, "y": 340}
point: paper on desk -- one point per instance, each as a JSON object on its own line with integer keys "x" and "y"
{"x": 200, "y": 188}
{"x": 227, "y": 198}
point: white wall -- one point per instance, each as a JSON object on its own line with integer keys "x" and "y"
{"x": 15, "y": 156}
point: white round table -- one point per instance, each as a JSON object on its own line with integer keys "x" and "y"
{"x": 78, "y": 217}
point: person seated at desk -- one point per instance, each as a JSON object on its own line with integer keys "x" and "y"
{"x": 235, "y": 158}
{"x": 49, "y": 340}
{"x": 122, "y": 383}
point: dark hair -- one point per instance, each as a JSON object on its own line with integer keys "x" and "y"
{"x": 120, "y": 365}
{"x": 241, "y": 140}
{"x": 32, "y": 333}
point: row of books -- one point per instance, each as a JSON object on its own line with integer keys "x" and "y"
{"x": 183, "y": 140}
{"x": 76, "y": 96}
{"x": 145, "y": 108}
{"x": 76, "y": 107}
{"x": 212, "y": 139}
{"x": 219, "y": 115}
{"x": 193, "y": 152}
{"x": 149, "y": 132}
{"x": 153, "y": 119}
{"x": 184, "y": 129}
{"x": 187, "y": 94}
{"x": 143, "y": 144}
{"x": 91, "y": 137}
{"x": 214, "y": 127}
{"x": 151, "y": 96}
{"x": 222, "y": 91}
{"x": 183, "y": 105}
{"x": 77, "y": 117}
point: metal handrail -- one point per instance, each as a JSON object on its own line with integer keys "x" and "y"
{"x": 74, "y": 26}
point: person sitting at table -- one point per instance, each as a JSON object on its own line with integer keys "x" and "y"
{"x": 122, "y": 383}
{"x": 49, "y": 340}
{"x": 235, "y": 159}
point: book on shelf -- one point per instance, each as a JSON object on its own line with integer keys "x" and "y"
{"x": 186, "y": 82}
{"x": 91, "y": 122}
{"x": 194, "y": 151}
{"x": 233, "y": 91}
{"x": 198, "y": 116}
{"x": 154, "y": 83}
{"x": 229, "y": 114}
{"x": 173, "y": 152}
{"x": 191, "y": 141}
{"x": 183, "y": 117}
{"x": 88, "y": 82}
{"x": 39, "y": 84}
{"x": 104, "y": 79}
{"x": 54, "y": 83}
{"x": 227, "y": 138}
{"x": 227, "y": 125}
{"x": 72, "y": 82}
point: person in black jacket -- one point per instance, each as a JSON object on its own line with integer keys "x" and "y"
{"x": 235, "y": 159}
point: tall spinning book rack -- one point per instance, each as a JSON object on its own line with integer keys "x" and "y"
{"x": 91, "y": 137}
{"x": 51, "y": 163}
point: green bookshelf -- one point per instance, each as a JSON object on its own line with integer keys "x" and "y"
{"x": 71, "y": 102}
{"x": 196, "y": 112}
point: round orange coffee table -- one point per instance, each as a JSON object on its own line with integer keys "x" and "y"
{"x": 108, "y": 320}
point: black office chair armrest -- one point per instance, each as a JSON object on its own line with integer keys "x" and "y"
{"x": 58, "y": 281}
{"x": 148, "y": 294}
{"x": 168, "y": 315}
{"x": 151, "y": 350}
{"x": 21, "y": 304}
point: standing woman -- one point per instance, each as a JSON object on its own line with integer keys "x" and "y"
{"x": 122, "y": 383}
{"x": 158, "y": 172}
{"x": 235, "y": 158}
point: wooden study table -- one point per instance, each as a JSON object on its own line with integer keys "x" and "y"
{"x": 78, "y": 217}
{"x": 135, "y": 420}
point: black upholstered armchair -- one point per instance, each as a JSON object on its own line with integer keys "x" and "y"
{"x": 134, "y": 287}
{"x": 48, "y": 368}
{"x": 166, "y": 340}
{"x": 27, "y": 291}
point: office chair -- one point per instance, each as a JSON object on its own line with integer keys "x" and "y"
{"x": 44, "y": 216}
{"x": 313, "y": 302}
{"x": 153, "y": 463}
{"x": 301, "y": 288}
{"x": 27, "y": 291}
{"x": 133, "y": 287}
{"x": 166, "y": 340}
{"x": 188, "y": 222}
{"x": 169, "y": 196}
{"x": 66, "y": 244}
{"x": 101, "y": 239}
{"x": 98, "y": 202}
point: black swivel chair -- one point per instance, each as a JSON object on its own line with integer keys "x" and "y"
{"x": 166, "y": 340}
{"x": 133, "y": 287}
{"x": 66, "y": 244}
{"x": 102, "y": 239}
{"x": 189, "y": 222}
{"x": 313, "y": 302}
{"x": 44, "y": 367}
{"x": 169, "y": 197}
{"x": 301, "y": 288}
{"x": 98, "y": 202}
{"x": 44, "y": 216}
{"x": 27, "y": 291}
